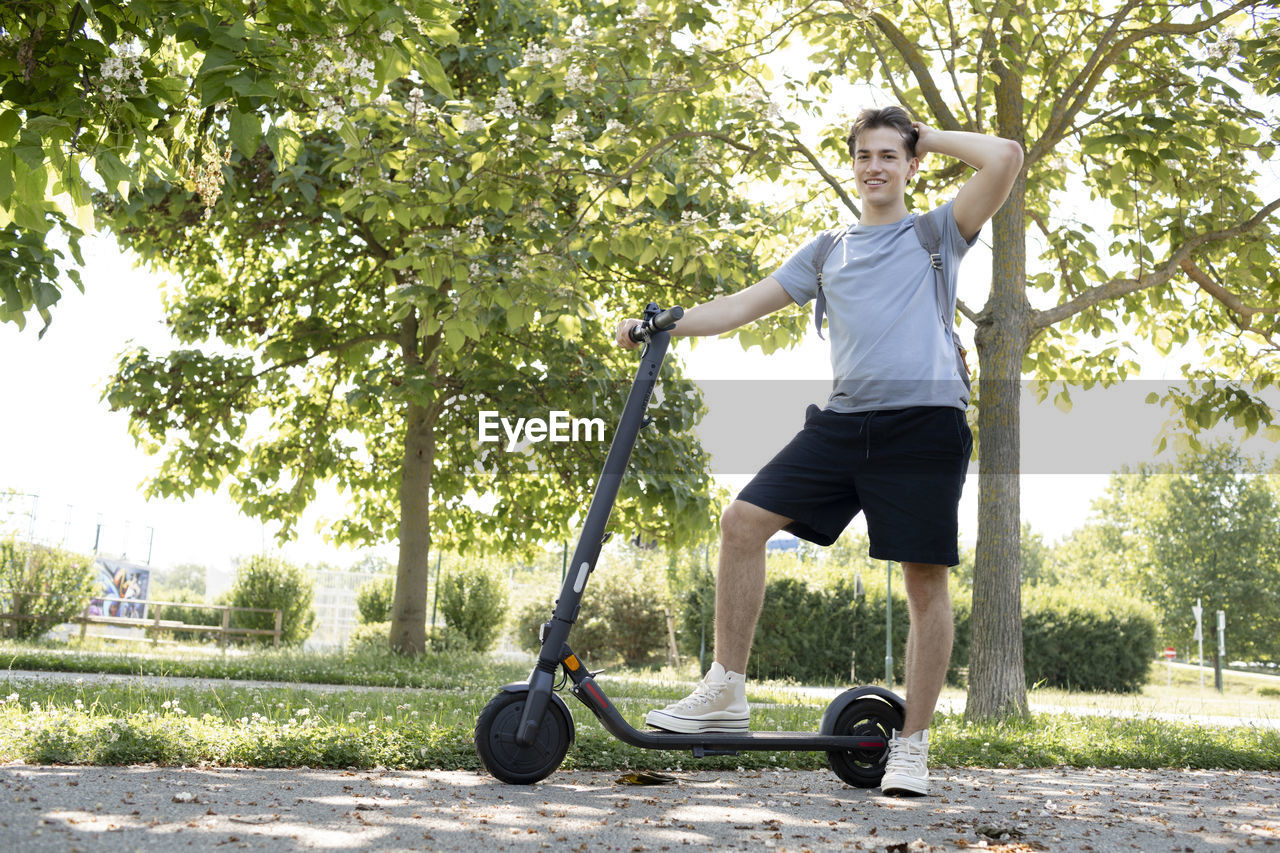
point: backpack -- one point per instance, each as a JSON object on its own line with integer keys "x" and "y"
{"x": 926, "y": 228}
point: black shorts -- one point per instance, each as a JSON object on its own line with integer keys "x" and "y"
{"x": 904, "y": 468}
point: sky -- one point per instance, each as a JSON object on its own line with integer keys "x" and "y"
{"x": 72, "y": 460}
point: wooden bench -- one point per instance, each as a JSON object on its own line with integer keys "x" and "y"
{"x": 155, "y": 625}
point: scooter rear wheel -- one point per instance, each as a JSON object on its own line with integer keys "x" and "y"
{"x": 870, "y": 717}
{"x": 495, "y": 739}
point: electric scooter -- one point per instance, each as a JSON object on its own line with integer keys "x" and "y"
{"x": 525, "y": 731}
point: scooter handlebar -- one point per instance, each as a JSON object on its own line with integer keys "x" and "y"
{"x": 660, "y": 322}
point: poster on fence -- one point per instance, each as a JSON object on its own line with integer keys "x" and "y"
{"x": 122, "y": 589}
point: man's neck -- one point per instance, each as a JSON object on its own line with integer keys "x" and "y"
{"x": 886, "y": 215}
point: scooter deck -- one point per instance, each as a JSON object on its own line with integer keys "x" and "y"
{"x": 711, "y": 743}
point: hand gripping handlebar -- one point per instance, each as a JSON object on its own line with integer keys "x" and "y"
{"x": 655, "y": 320}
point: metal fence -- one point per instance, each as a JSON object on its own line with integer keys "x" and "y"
{"x": 335, "y": 605}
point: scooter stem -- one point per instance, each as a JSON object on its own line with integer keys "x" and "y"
{"x": 587, "y": 551}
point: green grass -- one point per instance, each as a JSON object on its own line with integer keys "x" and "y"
{"x": 364, "y": 666}
{"x": 429, "y": 722}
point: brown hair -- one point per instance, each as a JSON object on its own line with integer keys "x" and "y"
{"x": 894, "y": 117}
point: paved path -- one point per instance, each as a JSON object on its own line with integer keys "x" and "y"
{"x": 110, "y": 809}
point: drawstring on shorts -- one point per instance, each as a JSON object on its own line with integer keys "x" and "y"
{"x": 866, "y": 425}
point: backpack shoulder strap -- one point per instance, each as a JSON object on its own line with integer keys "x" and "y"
{"x": 930, "y": 237}
{"x": 823, "y": 244}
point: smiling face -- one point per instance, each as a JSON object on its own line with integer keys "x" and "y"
{"x": 881, "y": 170}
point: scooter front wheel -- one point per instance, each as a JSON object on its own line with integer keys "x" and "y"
{"x": 495, "y": 739}
{"x": 871, "y": 718}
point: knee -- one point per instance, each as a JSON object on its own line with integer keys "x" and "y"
{"x": 745, "y": 525}
{"x": 927, "y": 586}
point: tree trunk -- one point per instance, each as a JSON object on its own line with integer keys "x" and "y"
{"x": 997, "y": 680}
{"x": 409, "y": 605}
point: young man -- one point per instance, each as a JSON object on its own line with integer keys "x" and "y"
{"x": 892, "y": 440}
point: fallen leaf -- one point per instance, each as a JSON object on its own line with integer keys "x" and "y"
{"x": 645, "y": 777}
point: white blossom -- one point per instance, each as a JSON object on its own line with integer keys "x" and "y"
{"x": 471, "y": 123}
{"x": 387, "y": 37}
{"x": 576, "y": 79}
{"x": 567, "y": 130}
{"x": 504, "y": 104}
{"x": 579, "y": 31}
{"x": 415, "y": 102}
{"x": 120, "y": 75}
{"x": 543, "y": 54}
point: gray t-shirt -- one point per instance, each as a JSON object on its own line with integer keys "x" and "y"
{"x": 889, "y": 347}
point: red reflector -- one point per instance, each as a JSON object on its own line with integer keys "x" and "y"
{"x": 599, "y": 697}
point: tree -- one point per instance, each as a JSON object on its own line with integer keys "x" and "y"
{"x": 1159, "y": 110}
{"x": 418, "y": 258}
{"x": 189, "y": 576}
{"x": 1204, "y": 529}
{"x": 125, "y": 91}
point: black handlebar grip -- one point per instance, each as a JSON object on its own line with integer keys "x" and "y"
{"x": 667, "y": 319}
{"x": 642, "y": 331}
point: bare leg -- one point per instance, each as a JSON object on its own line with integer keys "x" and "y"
{"x": 744, "y": 530}
{"x": 928, "y": 641}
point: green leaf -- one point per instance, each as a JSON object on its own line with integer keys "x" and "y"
{"x": 10, "y": 123}
{"x": 433, "y": 72}
{"x": 114, "y": 173}
{"x": 285, "y": 146}
{"x": 246, "y": 132}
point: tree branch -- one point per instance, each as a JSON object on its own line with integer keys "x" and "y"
{"x": 1063, "y": 267}
{"x": 921, "y": 69}
{"x": 826, "y": 176}
{"x": 967, "y": 311}
{"x": 1233, "y": 302}
{"x": 303, "y": 359}
{"x": 951, "y": 67}
{"x": 1119, "y": 287}
{"x": 1076, "y": 94}
{"x": 643, "y": 158}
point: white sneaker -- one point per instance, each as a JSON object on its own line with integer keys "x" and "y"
{"x": 719, "y": 704}
{"x": 907, "y": 771}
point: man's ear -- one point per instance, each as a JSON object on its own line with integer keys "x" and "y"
{"x": 913, "y": 167}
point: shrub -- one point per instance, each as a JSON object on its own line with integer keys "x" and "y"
{"x": 373, "y": 600}
{"x": 48, "y": 585}
{"x": 623, "y": 617}
{"x": 825, "y": 635}
{"x": 376, "y": 634}
{"x": 1087, "y": 639}
{"x": 264, "y": 581}
{"x": 474, "y": 603}
{"x": 529, "y": 620}
{"x": 821, "y": 635}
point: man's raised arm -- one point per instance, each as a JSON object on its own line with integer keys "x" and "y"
{"x": 997, "y": 160}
